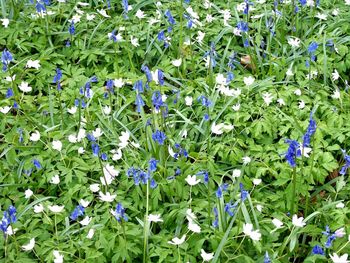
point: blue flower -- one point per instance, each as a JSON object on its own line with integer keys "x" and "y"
{"x": 95, "y": 149}
{"x": 230, "y": 208}
{"x": 157, "y": 100}
{"x": 222, "y": 188}
{"x": 148, "y": 73}
{"x": 171, "y": 19}
{"x": 57, "y": 78}
{"x": 139, "y": 103}
{"x": 153, "y": 184}
{"x": 330, "y": 237}
{"x": 104, "y": 156}
{"x": 317, "y": 250}
{"x": 125, "y": 8}
{"x": 6, "y": 58}
{"x": 205, "y": 175}
{"x": 71, "y": 28}
{"x": 110, "y": 85}
{"x": 292, "y": 152}
{"x": 302, "y": 2}
{"x": 119, "y": 213}
{"x": 138, "y": 86}
{"x": 312, "y": 47}
{"x": 160, "y": 77}
{"x": 153, "y": 164}
{"x": 267, "y": 258}
{"x": 244, "y": 193}
{"x": 37, "y": 164}
{"x": 40, "y": 8}
{"x": 112, "y": 36}
{"x": 8, "y": 218}
{"x": 243, "y": 26}
{"x": 347, "y": 163}
{"x": 159, "y": 137}
{"x": 205, "y": 101}
{"x": 78, "y": 211}
{"x": 216, "y": 215}
{"x": 9, "y": 93}
{"x": 311, "y": 129}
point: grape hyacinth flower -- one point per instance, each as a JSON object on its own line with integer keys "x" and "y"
{"x": 78, "y": 211}
{"x": 159, "y": 137}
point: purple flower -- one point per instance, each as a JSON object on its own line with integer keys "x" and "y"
{"x": 119, "y": 213}
{"x": 347, "y": 163}
{"x": 317, "y": 250}
{"x": 159, "y": 137}
{"x": 292, "y": 152}
{"x": 78, "y": 211}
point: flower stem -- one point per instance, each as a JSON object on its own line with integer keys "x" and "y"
{"x": 146, "y": 226}
{"x": 294, "y": 182}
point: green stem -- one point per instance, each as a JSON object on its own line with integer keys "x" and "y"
{"x": 146, "y": 227}
{"x": 294, "y": 182}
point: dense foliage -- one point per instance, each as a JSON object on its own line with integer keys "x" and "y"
{"x": 174, "y": 131}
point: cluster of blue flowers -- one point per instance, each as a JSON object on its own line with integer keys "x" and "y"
{"x": 77, "y": 212}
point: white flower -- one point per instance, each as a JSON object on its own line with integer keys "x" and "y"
{"x": 94, "y": 188}
{"x": 25, "y": 87}
{"x": 305, "y": 151}
{"x": 297, "y": 92}
{"x": 340, "y": 232}
{"x": 117, "y": 154}
{"x": 28, "y": 193}
{"x": 336, "y": 94}
{"x": 109, "y": 173}
{"x": 140, "y": 14}
{"x": 55, "y": 179}
{"x": 253, "y": 234}
{"x": 335, "y": 75}
{"x": 194, "y": 227}
{"x": 259, "y": 208}
{"x": 294, "y": 42}
{"x": 124, "y": 138}
{"x": 335, "y": 12}
{"x": 177, "y": 241}
{"x": 107, "y": 197}
{"x": 136, "y": 145}
{"x": 58, "y": 257}
{"x": 154, "y": 218}
{"x": 57, "y": 145}
{"x": 190, "y": 215}
{"x": 85, "y": 221}
{"x": 241, "y": 7}
{"x": 9, "y": 78}
{"x": 106, "y": 110}
{"x": 5, "y": 109}
{"x": 200, "y": 37}
{"x": 188, "y": 100}
{"x": 206, "y": 256}
{"x": 298, "y": 222}
{"x": 267, "y": 97}
{"x": 72, "y": 138}
{"x": 5, "y": 22}
{"x": 192, "y": 180}
{"x": 97, "y": 133}
{"x": 209, "y": 18}
{"x": 29, "y": 246}
{"x": 90, "y": 17}
{"x": 81, "y": 135}
{"x": 257, "y": 181}
{"x": 301, "y": 104}
{"x": 83, "y": 4}
{"x": 289, "y": 72}
{"x": 177, "y": 62}
{"x": 246, "y": 159}
{"x": 90, "y": 233}
{"x": 248, "y": 80}
{"x": 81, "y": 150}
{"x": 281, "y": 102}
{"x": 118, "y": 83}
{"x": 220, "y": 128}
{"x": 207, "y": 4}
{"x": 321, "y": 16}
{"x": 347, "y": 2}
{"x": 236, "y": 173}
{"x": 102, "y": 12}
{"x": 10, "y": 231}
{"x": 340, "y": 205}
{"x": 134, "y": 41}
{"x": 72, "y": 110}
{"x": 35, "y": 136}
{"x": 171, "y": 152}
{"x": 339, "y": 259}
{"x": 278, "y": 223}
{"x": 236, "y": 31}
{"x": 38, "y": 208}
{"x": 236, "y": 107}
{"x": 84, "y": 203}
{"x": 33, "y": 64}
{"x": 56, "y": 208}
